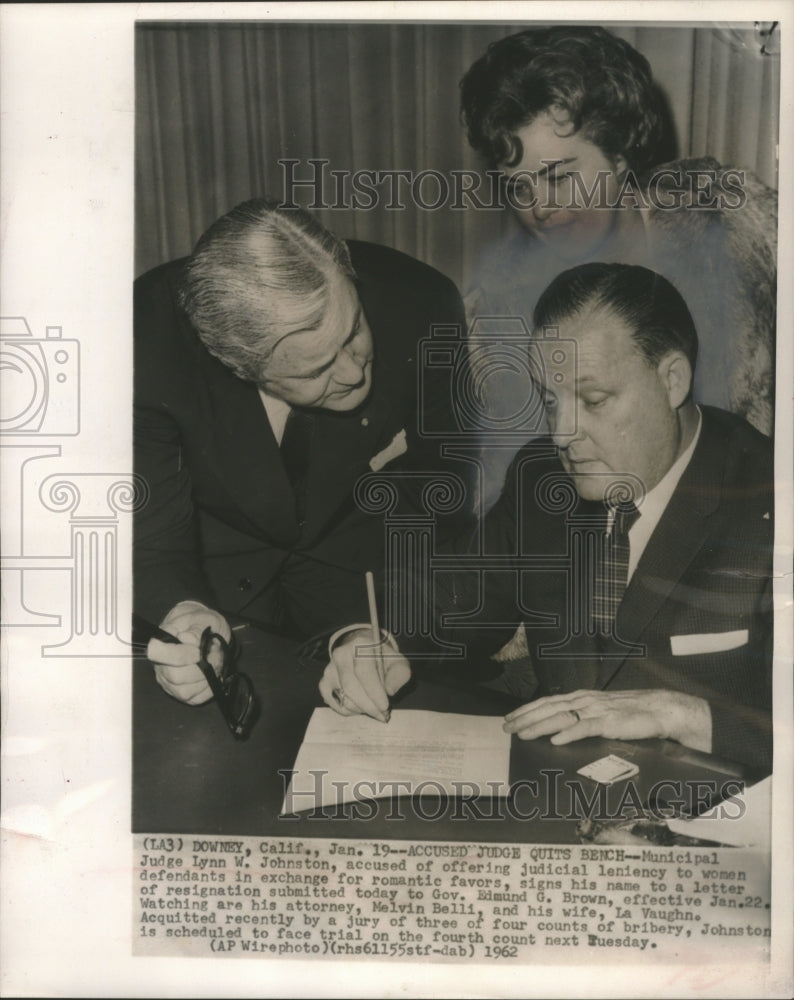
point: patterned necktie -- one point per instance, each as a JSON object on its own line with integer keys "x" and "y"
{"x": 295, "y": 451}
{"x": 612, "y": 569}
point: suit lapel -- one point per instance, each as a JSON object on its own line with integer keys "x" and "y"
{"x": 342, "y": 447}
{"x": 673, "y": 545}
{"x": 246, "y": 454}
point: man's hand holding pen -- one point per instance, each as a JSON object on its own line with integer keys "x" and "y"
{"x": 366, "y": 667}
{"x": 362, "y": 675}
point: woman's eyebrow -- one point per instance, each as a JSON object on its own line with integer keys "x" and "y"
{"x": 549, "y": 165}
{"x": 535, "y": 175}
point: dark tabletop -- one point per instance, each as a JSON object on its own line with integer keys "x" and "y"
{"x": 190, "y": 776}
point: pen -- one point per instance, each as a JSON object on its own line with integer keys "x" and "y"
{"x": 376, "y": 637}
{"x": 143, "y": 631}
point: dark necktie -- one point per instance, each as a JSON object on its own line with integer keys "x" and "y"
{"x": 295, "y": 452}
{"x": 612, "y": 569}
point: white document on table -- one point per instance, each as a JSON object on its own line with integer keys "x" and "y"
{"x": 345, "y": 759}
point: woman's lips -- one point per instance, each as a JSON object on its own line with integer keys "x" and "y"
{"x": 557, "y": 220}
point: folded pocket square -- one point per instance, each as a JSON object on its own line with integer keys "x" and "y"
{"x": 707, "y": 642}
{"x": 398, "y": 446}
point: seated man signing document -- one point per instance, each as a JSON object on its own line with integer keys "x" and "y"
{"x": 661, "y": 624}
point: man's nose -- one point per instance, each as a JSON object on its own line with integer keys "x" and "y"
{"x": 564, "y": 424}
{"x": 349, "y": 369}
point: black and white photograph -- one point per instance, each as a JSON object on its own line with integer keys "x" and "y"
{"x": 397, "y": 500}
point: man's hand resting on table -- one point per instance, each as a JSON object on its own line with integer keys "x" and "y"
{"x": 176, "y": 664}
{"x": 355, "y": 683}
{"x": 615, "y": 715}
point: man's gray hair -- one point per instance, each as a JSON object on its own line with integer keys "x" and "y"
{"x": 257, "y": 274}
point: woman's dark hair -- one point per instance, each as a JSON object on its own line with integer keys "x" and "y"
{"x": 590, "y": 79}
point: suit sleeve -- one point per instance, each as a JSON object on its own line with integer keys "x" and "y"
{"x": 741, "y": 710}
{"x": 741, "y": 720}
{"x": 166, "y": 564}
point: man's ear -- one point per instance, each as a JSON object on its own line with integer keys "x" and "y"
{"x": 675, "y": 371}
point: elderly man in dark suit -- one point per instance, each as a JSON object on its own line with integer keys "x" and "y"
{"x": 273, "y": 369}
{"x": 639, "y": 538}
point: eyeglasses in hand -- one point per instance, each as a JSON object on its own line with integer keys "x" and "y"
{"x": 233, "y": 690}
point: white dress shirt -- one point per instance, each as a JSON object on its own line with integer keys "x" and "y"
{"x": 277, "y": 413}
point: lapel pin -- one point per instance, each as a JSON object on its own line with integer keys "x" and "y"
{"x": 365, "y": 422}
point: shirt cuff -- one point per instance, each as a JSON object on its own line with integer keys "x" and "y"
{"x": 183, "y": 608}
{"x": 387, "y": 637}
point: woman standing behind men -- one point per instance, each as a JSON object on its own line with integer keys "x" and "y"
{"x": 571, "y": 118}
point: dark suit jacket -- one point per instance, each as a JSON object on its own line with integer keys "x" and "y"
{"x": 697, "y": 614}
{"x": 220, "y": 524}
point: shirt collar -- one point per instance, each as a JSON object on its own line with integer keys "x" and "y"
{"x": 277, "y": 412}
